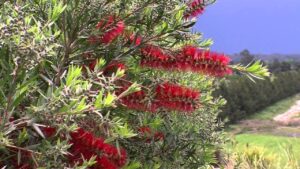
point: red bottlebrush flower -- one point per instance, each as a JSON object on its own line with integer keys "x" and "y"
{"x": 193, "y": 59}
{"x": 93, "y": 40}
{"x": 24, "y": 166}
{"x": 48, "y": 131}
{"x": 109, "y": 69}
{"x": 135, "y": 39}
{"x": 175, "y": 97}
{"x": 173, "y": 91}
{"x": 113, "y": 67}
{"x": 92, "y": 65}
{"x": 145, "y": 130}
{"x": 147, "y": 133}
{"x": 159, "y": 136}
{"x": 136, "y": 100}
{"x": 113, "y": 33}
{"x": 195, "y": 8}
{"x": 25, "y": 160}
{"x": 104, "y": 163}
{"x": 153, "y": 56}
{"x": 202, "y": 61}
{"x": 111, "y": 29}
{"x": 106, "y": 22}
{"x": 86, "y": 145}
{"x": 154, "y": 53}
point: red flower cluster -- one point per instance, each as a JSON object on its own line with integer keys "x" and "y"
{"x": 175, "y": 97}
{"x": 111, "y": 29}
{"x": 110, "y": 68}
{"x": 205, "y": 62}
{"x": 154, "y": 53}
{"x": 167, "y": 95}
{"x": 135, "y": 100}
{"x": 155, "y": 57}
{"x": 86, "y": 145}
{"x": 147, "y": 133}
{"x": 25, "y": 161}
{"x": 135, "y": 39}
{"x": 48, "y": 131}
{"x": 195, "y": 8}
{"x": 113, "y": 67}
{"x": 189, "y": 59}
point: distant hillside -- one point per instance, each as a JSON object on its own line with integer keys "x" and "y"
{"x": 267, "y": 58}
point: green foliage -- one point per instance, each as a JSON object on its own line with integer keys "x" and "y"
{"x": 254, "y": 70}
{"x": 244, "y": 98}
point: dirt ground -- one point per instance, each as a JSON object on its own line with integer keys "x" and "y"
{"x": 286, "y": 124}
{"x": 290, "y": 117}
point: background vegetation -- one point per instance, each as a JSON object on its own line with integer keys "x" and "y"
{"x": 244, "y": 98}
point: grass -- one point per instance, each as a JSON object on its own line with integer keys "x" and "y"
{"x": 279, "y": 147}
{"x": 275, "y": 109}
{"x": 273, "y": 145}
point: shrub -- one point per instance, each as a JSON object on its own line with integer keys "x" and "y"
{"x": 108, "y": 84}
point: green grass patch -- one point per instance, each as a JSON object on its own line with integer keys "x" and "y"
{"x": 273, "y": 145}
{"x": 275, "y": 109}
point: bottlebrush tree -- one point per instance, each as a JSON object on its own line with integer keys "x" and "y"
{"x": 109, "y": 84}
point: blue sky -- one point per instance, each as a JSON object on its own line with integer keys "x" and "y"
{"x": 262, "y": 26}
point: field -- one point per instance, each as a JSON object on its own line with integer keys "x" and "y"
{"x": 278, "y": 141}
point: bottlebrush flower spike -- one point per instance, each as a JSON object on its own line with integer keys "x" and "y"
{"x": 93, "y": 39}
{"x": 195, "y": 8}
{"x": 106, "y": 22}
{"x": 112, "y": 34}
{"x": 135, "y": 39}
{"x": 202, "y": 61}
{"x": 136, "y": 101}
{"x": 189, "y": 59}
{"x": 25, "y": 162}
{"x": 109, "y": 69}
{"x": 175, "y": 97}
{"x": 92, "y": 65}
{"x": 111, "y": 29}
{"x": 86, "y": 145}
{"x": 104, "y": 163}
{"x": 159, "y": 136}
{"x": 146, "y": 132}
{"x": 153, "y": 56}
{"x": 113, "y": 67}
{"x": 48, "y": 131}
{"x": 154, "y": 53}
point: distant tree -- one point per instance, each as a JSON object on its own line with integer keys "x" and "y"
{"x": 246, "y": 57}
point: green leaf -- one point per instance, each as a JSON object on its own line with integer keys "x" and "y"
{"x": 120, "y": 73}
{"x": 124, "y": 131}
{"x": 99, "y": 100}
{"x": 100, "y": 63}
{"x": 133, "y": 165}
{"x": 133, "y": 88}
{"x": 81, "y": 106}
{"x": 109, "y": 99}
{"x": 73, "y": 74}
{"x": 57, "y": 11}
{"x": 23, "y": 136}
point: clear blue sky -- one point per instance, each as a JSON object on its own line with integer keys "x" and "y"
{"x": 262, "y": 26}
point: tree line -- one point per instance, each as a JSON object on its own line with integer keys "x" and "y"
{"x": 244, "y": 98}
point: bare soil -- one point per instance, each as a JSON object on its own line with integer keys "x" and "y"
{"x": 290, "y": 117}
{"x": 286, "y": 124}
